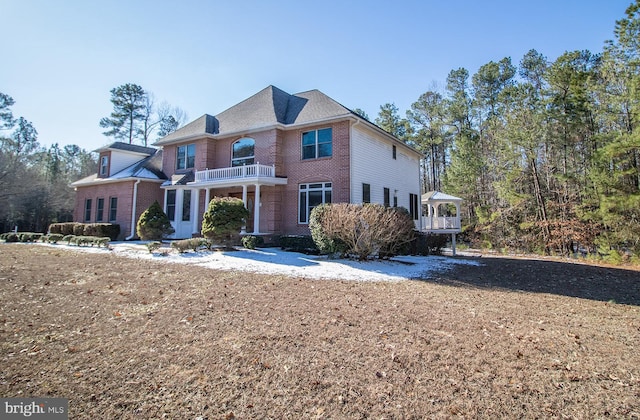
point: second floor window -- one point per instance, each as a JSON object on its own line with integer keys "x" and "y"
{"x": 104, "y": 165}
{"x": 317, "y": 144}
{"x": 186, "y": 156}
{"x": 243, "y": 152}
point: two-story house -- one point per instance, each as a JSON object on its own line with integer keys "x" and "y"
{"x": 282, "y": 154}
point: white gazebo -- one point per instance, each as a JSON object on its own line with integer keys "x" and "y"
{"x": 437, "y": 217}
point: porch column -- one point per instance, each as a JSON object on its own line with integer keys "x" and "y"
{"x": 195, "y": 213}
{"x": 453, "y": 244}
{"x": 207, "y": 198}
{"x": 256, "y": 211}
{"x": 243, "y": 230}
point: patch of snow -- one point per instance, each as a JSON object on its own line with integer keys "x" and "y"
{"x": 277, "y": 261}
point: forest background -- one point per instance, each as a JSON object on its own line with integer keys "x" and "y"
{"x": 546, "y": 155}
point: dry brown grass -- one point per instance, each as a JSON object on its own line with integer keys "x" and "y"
{"x": 123, "y": 338}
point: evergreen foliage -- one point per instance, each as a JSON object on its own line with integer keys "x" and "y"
{"x": 223, "y": 220}
{"x": 153, "y": 224}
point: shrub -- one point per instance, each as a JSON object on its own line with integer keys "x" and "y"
{"x": 111, "y": 230}
{"x": 154, "y": 224}
{"x": 68, "y": 239}
{"x": 223, "y": 220}
{"x": 326, "y": 244}
{"x": 64, "y": 228}
{"x": 252, "y": 241}
{"x": 152, "y": 246}
{"x": 427, "y": 244}
{"x": 10, "y": 237}
{"x": 366, "y": 231}
{"x": 298, "y": 243}
{"x": 52, "y": 238}
{"x": 29, "y": 236}
{"x": 188, "y": 244}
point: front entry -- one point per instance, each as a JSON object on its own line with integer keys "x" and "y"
{"x": 250, "y": 205}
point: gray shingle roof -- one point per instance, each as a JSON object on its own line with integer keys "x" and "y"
{"x": 266, "y": 108}
{"x": 128, "y": 148}
{"x": 147, "y": 168}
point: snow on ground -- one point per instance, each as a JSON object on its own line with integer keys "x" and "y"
{"x": 277, "y": 261}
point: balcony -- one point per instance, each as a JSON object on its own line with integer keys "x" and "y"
{"x": 239, "y": 175}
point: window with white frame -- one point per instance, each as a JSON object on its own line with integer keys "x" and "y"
{"x": 243, "y": 152}
{"x": 186, "y": 156}
{"x": 171, "y": 205}
{"x": 413, "y": 206}
{"x": 100, "y": 210}
{"x": 317, "y": 143}
{"x": 104, "y": 165}
{"x": 87, "y": 210}
{"x": 113, "y": 208}
{"x": 310, "y": 196}
{"x": 186, "y": 205}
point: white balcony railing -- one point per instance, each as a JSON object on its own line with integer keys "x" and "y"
{"x": 237, "y": 172}
{"x": 437, "y": 223}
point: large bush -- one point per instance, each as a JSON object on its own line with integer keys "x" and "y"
{"x": 366, "y": 231}
{"x": 223, "y": 220}
{"x": 154, "y": 224}
{"x": 110, "y": 230}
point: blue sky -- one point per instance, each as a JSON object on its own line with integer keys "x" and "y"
{"x": 60, "y": 59}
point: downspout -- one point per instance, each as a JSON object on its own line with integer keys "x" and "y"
{"x": 133, "y": 212}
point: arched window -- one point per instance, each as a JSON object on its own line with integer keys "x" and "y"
{"x": 243, "y": 152}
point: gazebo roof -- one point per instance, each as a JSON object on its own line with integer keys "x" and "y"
{"x": 439, "y": 197}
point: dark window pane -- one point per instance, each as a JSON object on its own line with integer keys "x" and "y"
{"x": 309, "y": 152}
{"x": 171, "y": 204}
{"x": 186, "y": 206}
{"x": 303, "y": 207}
{"x": 309, "y": 138}
{"x": 191, "y": 156}
{"x": 113, "y": 208}
{"x": 324, "y": 150}
{"x": 366, "y": 193}
{"x": 314, "y": 186}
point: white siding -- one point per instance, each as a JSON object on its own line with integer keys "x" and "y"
{"x": 372, "y": 163}
{"x": 121, "y": 160}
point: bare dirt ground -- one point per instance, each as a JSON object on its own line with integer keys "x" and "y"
{"x": 128, "y": 339}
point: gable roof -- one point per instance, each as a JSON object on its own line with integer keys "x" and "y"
{"x": 271, "y": 106}
{"x": 149, "y": 168}
{"x": 127, "y": 148}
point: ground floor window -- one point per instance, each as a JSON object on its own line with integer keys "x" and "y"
{"x": 366, "y": 193}
{"x": 171, "y": 205}
{"x": 387, "y": 197}
{"x": 100, "y": 210}
{"x": 186, "y": 205}
{"x": 413, "y": 206}
{"x": 113, "y": 208}
{"x": 310, "y": 196}
{"x": 87, "y": 210}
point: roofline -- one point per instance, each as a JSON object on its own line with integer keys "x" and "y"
{"x": 104, "y": 149}
{"x": 349, "y": 115}
{"x": 101, "y": 181}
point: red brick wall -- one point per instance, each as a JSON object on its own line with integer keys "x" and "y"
{"x": 334, "y": 169}
{"x": 147, "y": 193}
{"x": 279, "y": 211}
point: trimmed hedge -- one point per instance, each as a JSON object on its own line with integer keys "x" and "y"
{"x": 252, "y": 241}
{"x": 86, "y": 240}
{"x": 52, "y": 238}
{"x": 111, "y": 230}
{"x": 427, "y": 244}
{"x": 186, "y": 244}
{"x": 20, "y": 236}
{"x": 298, "y": 243}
